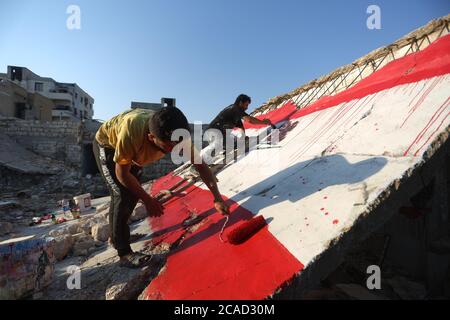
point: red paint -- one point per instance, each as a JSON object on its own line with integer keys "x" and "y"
{"x": 203, "y": 267}
{"x": 335, "y": 221}
{"x": 326, "y": 213}
{"x": 325, "y": 197}
{"x": 280, "y": 114}
{"x": 322, "y": 209}
{"x": 430, "y": 62}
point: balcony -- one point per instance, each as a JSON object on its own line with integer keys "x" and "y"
{"x": 58, "y": 96}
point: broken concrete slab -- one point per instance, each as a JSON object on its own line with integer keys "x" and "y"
{"x": 100, "y": 231}
{"x": 62, "y": 246}
{"x": 17, "y": 158}
{"x": 129, "y": 285}
{"x": 343, "y": 166}
{"x": 139, "y": 213}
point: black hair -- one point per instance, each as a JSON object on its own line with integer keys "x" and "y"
{"x": 167, "y": 120}
{"x": 242, "y": 98}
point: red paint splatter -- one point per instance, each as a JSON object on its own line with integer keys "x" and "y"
{"x": 325, "y": 197}
{"x": 326, "y": 213}
{"x": 335, "y": 221}
{"x": 322, "y": 209}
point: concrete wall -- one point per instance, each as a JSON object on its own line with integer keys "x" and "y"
{"x": 56, "y": 140}
{"x": 67, "y": 141}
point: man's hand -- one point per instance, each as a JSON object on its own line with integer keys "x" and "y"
{"x": 154, "y": 207}
{"x": 222, "y": 207}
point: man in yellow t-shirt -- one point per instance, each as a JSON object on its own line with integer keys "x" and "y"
{"x": 124, "y": 144}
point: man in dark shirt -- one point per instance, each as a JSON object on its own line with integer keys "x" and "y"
{"x": 229, "y": 118}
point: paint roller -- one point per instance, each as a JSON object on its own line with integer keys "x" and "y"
{"x": 245, "y": 230}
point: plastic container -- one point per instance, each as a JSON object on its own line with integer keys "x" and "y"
{"x": 83, "y": 202}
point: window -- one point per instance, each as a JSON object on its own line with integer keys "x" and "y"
{"x": 38, "y": 86}
{"x": 76, "y": 95}
{"x": 81, "y": 98}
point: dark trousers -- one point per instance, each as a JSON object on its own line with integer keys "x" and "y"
{"x": 122, "y": 200}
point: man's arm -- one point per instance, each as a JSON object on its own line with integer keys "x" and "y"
{"x": 210, "y": 180}
{"x": 254, "y": 120}
{"x": 130, "y": 182}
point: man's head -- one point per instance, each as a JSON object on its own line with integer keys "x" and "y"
{"x": 161, "y": 126}
{"x": 243, "y": 101}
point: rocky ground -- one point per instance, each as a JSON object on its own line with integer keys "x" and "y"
{"x": 83, "y": 244}
{"x": 20, "y": 202}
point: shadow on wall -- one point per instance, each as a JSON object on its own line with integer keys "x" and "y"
{"x": 293, "y": 184}
{"x": 305, "y": 178}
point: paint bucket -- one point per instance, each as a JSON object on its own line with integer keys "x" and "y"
{"x": 83, "y": 201}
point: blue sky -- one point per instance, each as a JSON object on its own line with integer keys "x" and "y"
{"x": 202, "y": 52}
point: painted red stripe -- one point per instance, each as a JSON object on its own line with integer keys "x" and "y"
{"x": 280, "y": 114}
{"x": 431, "y": 62}
{"x": 202, "y": 267}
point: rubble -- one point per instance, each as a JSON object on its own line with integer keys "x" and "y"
{"x": 62, "y": 246}
{"x": 139, "y": 213}
{"x": 100, "y": 232}
{"x": 128, "y": 286}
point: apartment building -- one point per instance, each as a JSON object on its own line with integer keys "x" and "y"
{"x": 69, "y": 101}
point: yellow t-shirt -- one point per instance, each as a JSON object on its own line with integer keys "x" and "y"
{"x": 127, "y": 134}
